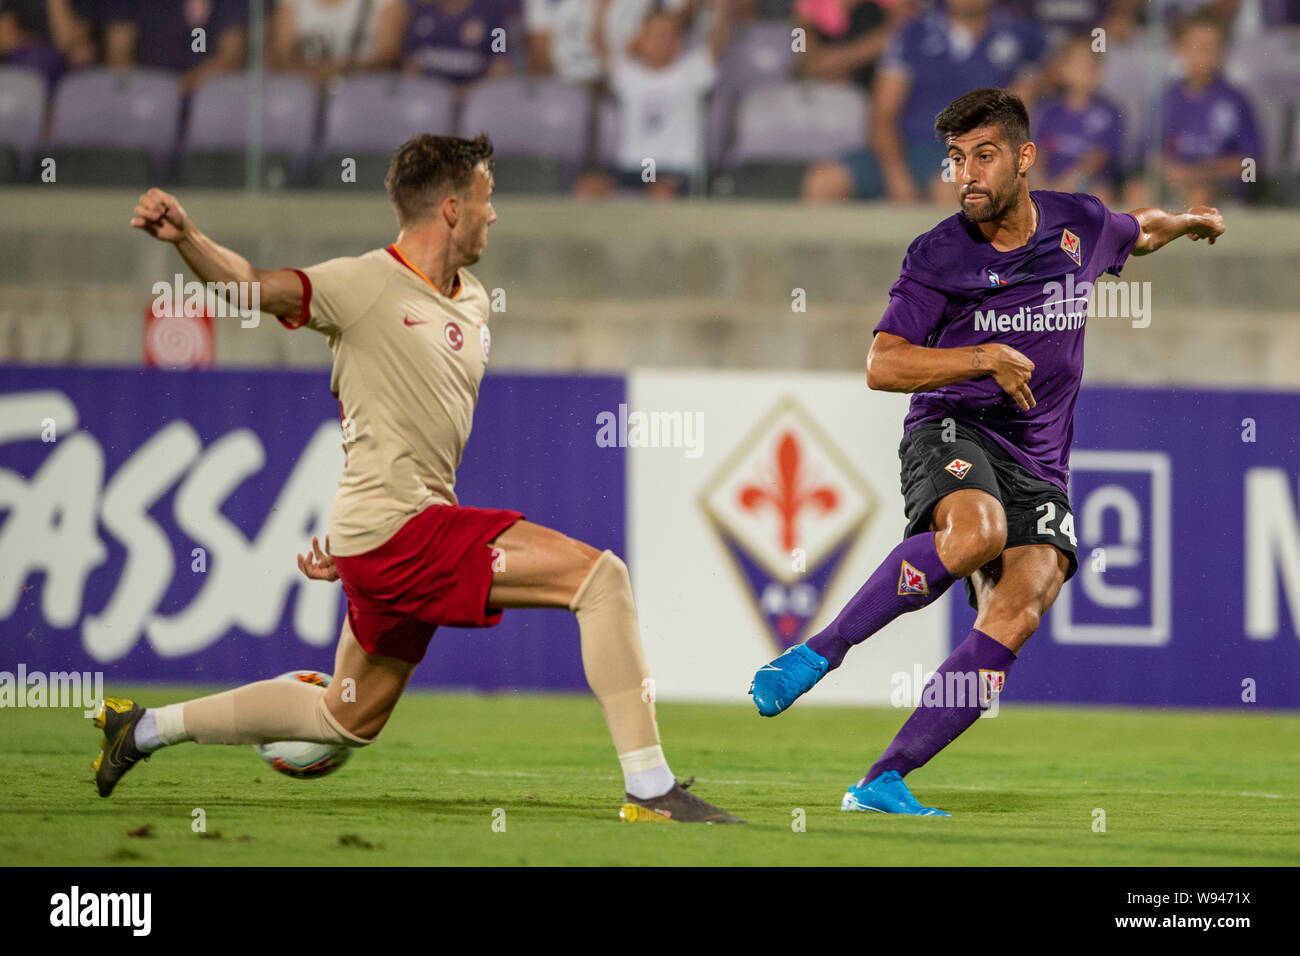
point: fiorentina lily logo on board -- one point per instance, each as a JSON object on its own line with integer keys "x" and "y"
{"x": 788, "y": 506}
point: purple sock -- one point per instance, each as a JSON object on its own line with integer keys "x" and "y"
{"x": 909, "y": 579}
{"x": 943, "y": 717}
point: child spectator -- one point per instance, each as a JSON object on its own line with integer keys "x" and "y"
{"x": 560, "y": 39}
{"x": 661, "y": 89}
{"x": 1080, "y": 133}
{"x": 1209, "y": 127}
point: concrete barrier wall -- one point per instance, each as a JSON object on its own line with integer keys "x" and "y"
{"x": 609, "y": 286}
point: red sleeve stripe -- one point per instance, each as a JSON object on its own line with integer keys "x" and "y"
{"x": 298, "y": 321}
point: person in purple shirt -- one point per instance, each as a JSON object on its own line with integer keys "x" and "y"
{"x": 1209, "y": 126}
{"x": 985, "y": 329}
{"x": 162, "y": 35}
{"x": 457, "y": 40}
{"x": 956, "y": 46}
{"x": 1080, "y": 132}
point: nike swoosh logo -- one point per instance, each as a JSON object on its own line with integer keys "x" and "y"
{"x": 406, "y": 321}
{"x": 769, "y": 667}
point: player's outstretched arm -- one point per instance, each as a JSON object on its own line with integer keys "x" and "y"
{"x": 160, "y": 215}
{"x": 1159, "y": 228}
{"x": 896, "y": 365}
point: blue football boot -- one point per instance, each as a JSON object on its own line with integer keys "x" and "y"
{"x": 887, "y": 794}
{"x": 779, "y": 684}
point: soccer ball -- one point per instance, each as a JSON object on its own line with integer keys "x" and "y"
{"x": 298, "y": 758}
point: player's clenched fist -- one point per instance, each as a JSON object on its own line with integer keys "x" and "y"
{"x": 318, "y": 566}
{"x": 161, "y": 215}
{"x": 1206, "y": 223}
{"x": 1010, "y": 369}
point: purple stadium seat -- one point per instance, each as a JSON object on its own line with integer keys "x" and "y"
{"x": 22, "y": 104}
{"x": 379, "y": 112}
{"x": 527, "y": 117}
{"x": 219, "y": 114}
{"x": 120, "y": 109}
{"x": 781, "y": 128}
{"x": 1266, "y": 67}
{"x": 539, "y": 128}
{"x": 1268, "y": 62}
{"x": 1135, "y": 81}
{"x": 216, "y": 134}
{"x": 759, "y": 53}
{"x": 799, "y": 122}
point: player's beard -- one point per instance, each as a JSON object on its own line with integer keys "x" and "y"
{"x": 996, "y": 203}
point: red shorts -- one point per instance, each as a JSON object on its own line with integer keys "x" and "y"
{"x": 436, "y": 570}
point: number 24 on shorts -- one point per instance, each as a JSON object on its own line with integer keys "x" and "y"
{"x": 1066, "y": 527}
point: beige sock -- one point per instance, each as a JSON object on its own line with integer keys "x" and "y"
{"x": 261, "y": 712}
{"x": 612, "y": 656}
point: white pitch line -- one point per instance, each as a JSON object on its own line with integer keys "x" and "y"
{"x": 785, "y": 783}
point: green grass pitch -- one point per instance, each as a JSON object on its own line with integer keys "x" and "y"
{"x": 1176, "y": 788}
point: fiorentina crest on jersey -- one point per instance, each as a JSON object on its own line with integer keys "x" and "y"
{"x": 1073, "y": 248}
{"x": 958, "y": 468}
{"x": 788, "y": 507}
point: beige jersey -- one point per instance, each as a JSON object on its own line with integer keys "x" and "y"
{"x": 407, "y": 365}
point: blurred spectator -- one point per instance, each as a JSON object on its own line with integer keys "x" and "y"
{"x": 1062, "y": 19}
{"x": 322, "y": 39}
{"x": 560, "y": 39}
{"x": 661, "y": 88}
{"x": 847, "y": 37}
{"x": 453, "y": 39}
{"x": 1079, "y": 133}
{"x": 1209, "y": 126}
{"x": 48, "y": 36}
{"x": 197, "y": 38}
{"x": 623, "y": 19}
{"x": 561, "y": 33}
{"x": 936, "y": 57}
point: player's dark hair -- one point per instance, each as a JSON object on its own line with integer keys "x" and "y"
{"x": 427, "y": 168}
{"x": 986, "y": 107}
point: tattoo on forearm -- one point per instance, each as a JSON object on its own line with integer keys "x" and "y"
{"x": 975, "y": 358}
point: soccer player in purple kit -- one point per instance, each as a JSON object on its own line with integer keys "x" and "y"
{"x": 985, "y": 330}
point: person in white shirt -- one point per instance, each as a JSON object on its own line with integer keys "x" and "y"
{"x": 322, "y": 39}
{"x": 661, "y": 87}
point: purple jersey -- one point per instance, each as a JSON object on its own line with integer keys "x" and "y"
{"x": 929, "y": 51}
{"x": 1219, "y": 122}
{"x": 956, "y": 290}
{"x": 454, "y": 46}
{"x": 1065, "y": 136}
